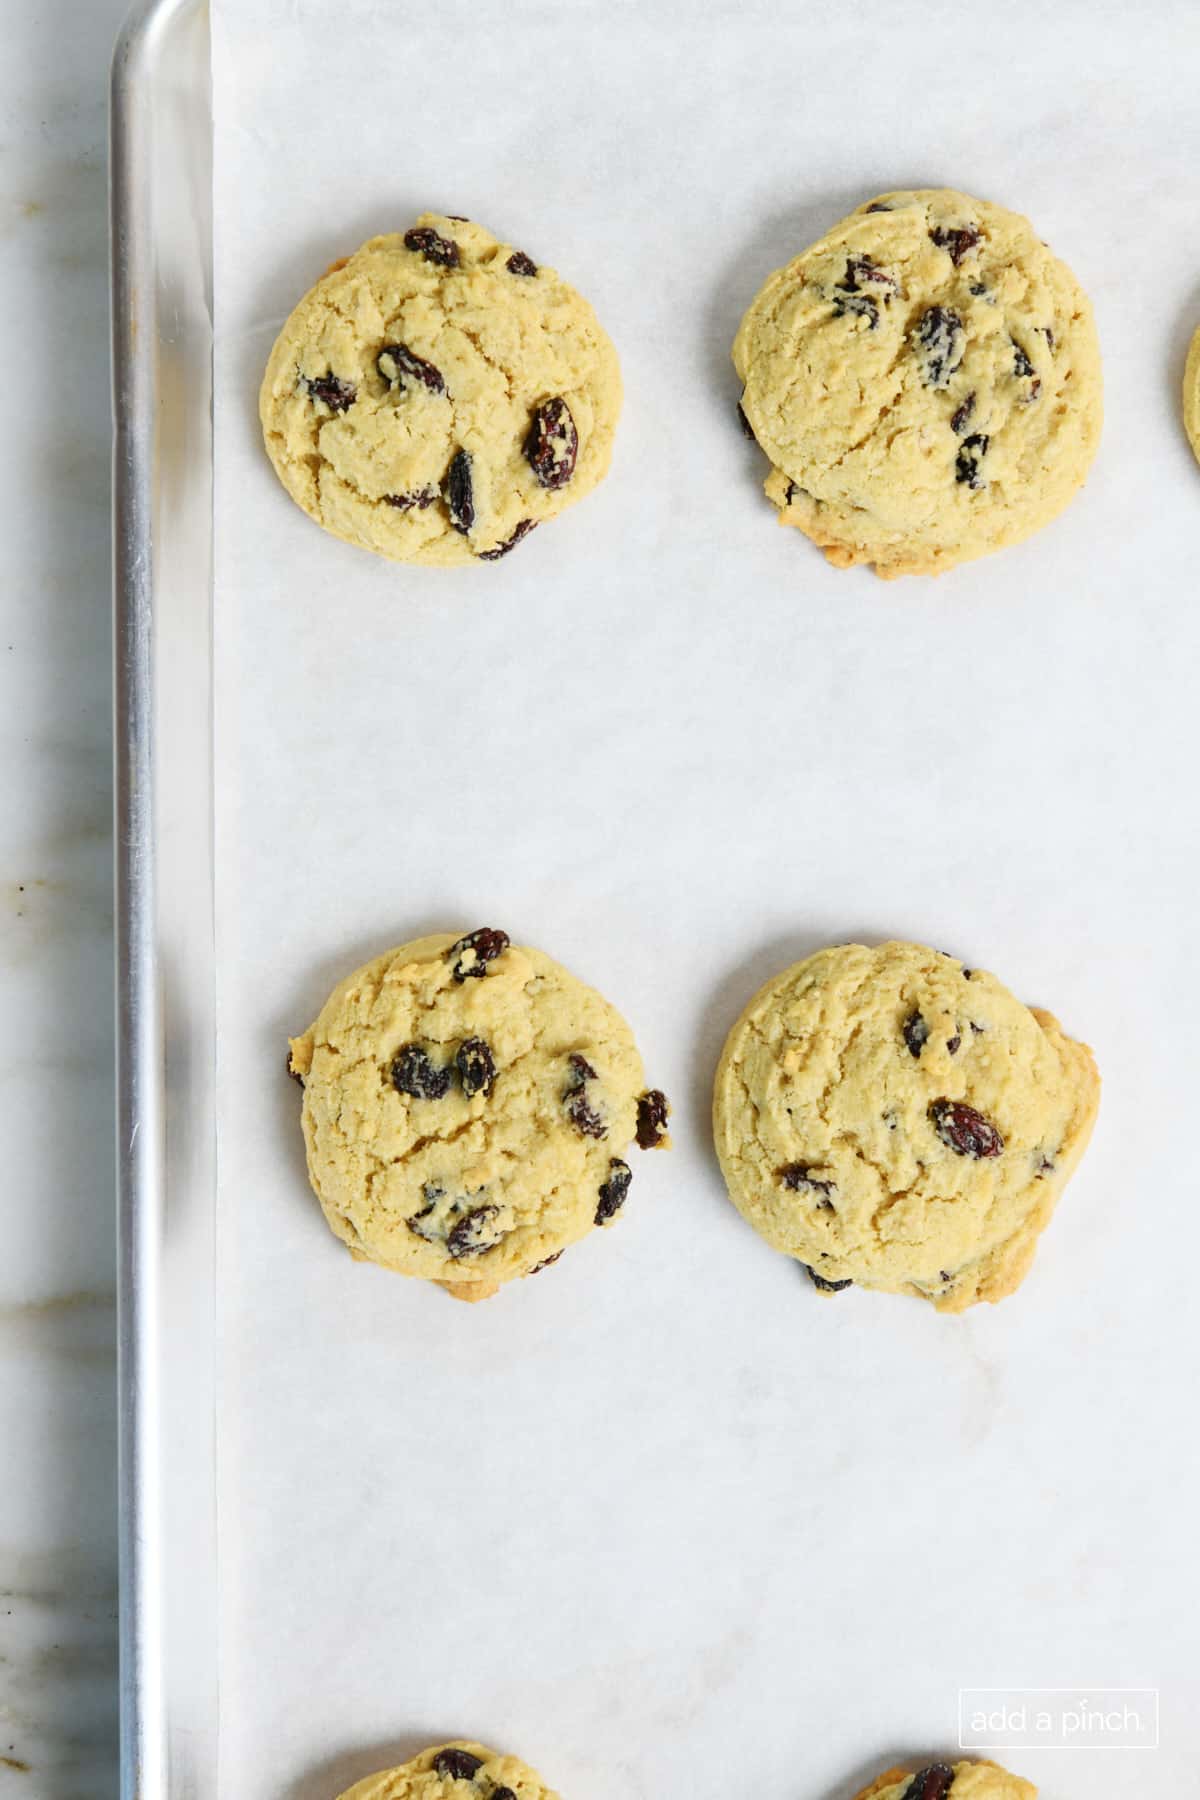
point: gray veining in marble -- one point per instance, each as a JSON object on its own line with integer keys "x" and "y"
{"x": 57, "y": 1404}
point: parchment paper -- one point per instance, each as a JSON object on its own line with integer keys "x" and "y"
{"x": 663, "y": 1521}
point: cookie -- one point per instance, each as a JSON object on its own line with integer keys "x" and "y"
{"x": 925, "y": 381}
{"x": 438, "y": 394}
{"x": 1191, "y": 395}
{"x": 456, "y": 1771}
{"x": 947, "y": 1781}
{"x": 891, "y": 1118}
{"x": 468, "y": 1105}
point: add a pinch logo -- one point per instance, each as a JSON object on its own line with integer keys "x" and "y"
{"x": 1058, "y": 1718}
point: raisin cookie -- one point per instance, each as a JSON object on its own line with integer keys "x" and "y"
{"x": 890, "y": 1118}
{"x": 457, "y": 1771}
{"x": 438, "y": 394}
{"x": 467, "y": 1107}
{"x": 946, "y": 1781}
{"x": 925, "y": 381}
{"x": 1191, "y": 395}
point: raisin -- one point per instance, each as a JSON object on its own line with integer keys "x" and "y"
{"x": 964, "y": 1130}
{"x": 939, "y": 336}
{"x": 459, "y": 1765}
{"x": 819, "y": 1281}
{"x": 933, "y": 1783}
{"x": 954, "y": 1044}
{"x": 798, "y": 1176}
{"x": 503, "y": 1793}
{"x": 406, "y": 502}
{"x": 413, "y": 1073}
{"x": 967, "y": 469}
{"x": 435, "y": 249}
{"x": 955, "y": 239}
{"x": 395, "y": 361}
{"x": 552, "y": 444}
{"x": 1045, "y": 1167}
{"x": 1021, "y": 363}
{"x": 414, "y": 1222}
{"x": 747, "y": 428}
{"x": 978, "y": 288}
{"x": 579, "y": 1109}
{"x": 520, "y": 264}
{"x": 338, "y": 395}
{"x": 544, "y": 1264}
{"x": 1048, "y": 333}
{"x": 472, "y": 954}
{"x": 522, "y": 530}
{"x": 477, "y": 1067}
{"x": 474, "y": 1232}
{"x": 878, "y": 206}
{"x": 858, "y": 306}
{"x": 961, "y": 414}
{"x": 293, "y": 1071}
{"x": 614, "y": 1190}
{"x": 865, "y": 268}
{"x": 460, "y": 492}
{"x": 916, "y": 1031}
{"x": 652, "y": 1113}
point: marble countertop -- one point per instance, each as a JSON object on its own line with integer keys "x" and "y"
{"x": 58, "y": 1600}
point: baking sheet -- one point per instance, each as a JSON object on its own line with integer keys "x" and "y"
{"x": 665, "y": 1522}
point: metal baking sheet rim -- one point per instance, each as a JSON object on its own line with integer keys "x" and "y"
{"x": 160, "y": 176}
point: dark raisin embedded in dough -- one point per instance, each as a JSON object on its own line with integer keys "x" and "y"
{"x": 878, "y": 206}
{"x": 414, "y": 1222}
{"x": 552, "y": 444}
{"x": 1021, "y": 363}
{"x": 956, "y": 240}
{"x": 968, "y": 469}
{"x": 858, "y": 306}
{"x": 406, "y": 502}
{"x": 536, "y": 1270}
{"x": 414, "y": 1073}
{"x": 933, "y": 1783}
{"x": 579, "y": 1110}
{"x": 337, "y": 394}
{"x": 502, "y": 1793}
{"x": 521, "y": 530}
{"x": 476, "y": 1066}
{"x": 460, "y": 492}
{"x": 293, "y": 1071}
{"x": 1048, "y": 334}
{"x": 614, "y": 1190}
{"x": 861, "y": 269}
{"x": 747, "y": 427}
{"x": 978, "y": 288}
{"x": 472, "y": 954}
{"x": 954, "y": 1044}
{"x": 819, "y": 1281}
{"x": 520, "y": 264}
{"x": 964, "y": 1130}
{"x": 940, "y": 345}
{"x": 798, "y": 1177}
{"x": 395, "y": 361}
{"x": 458, "y": 1765}
{"x": 1045, "y": 1166}
{"x": 475, "y": 1232}
{"x": 961, "y": 415}
{"x": 916, "y": 1032}
{"x": 426, "y": 242}
{"x": 652, "y": 1113}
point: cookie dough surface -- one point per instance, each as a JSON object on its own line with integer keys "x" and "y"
{"x": 950, "y": 1781}
{"x": 1191, "y": 395}
{"x": 468, "y": 1106}
{"x": 893, "y": 1119}
{"x": 925, "y": 381}
{"x": 438, "y": 394}
{"x": 456, "y": 1771}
